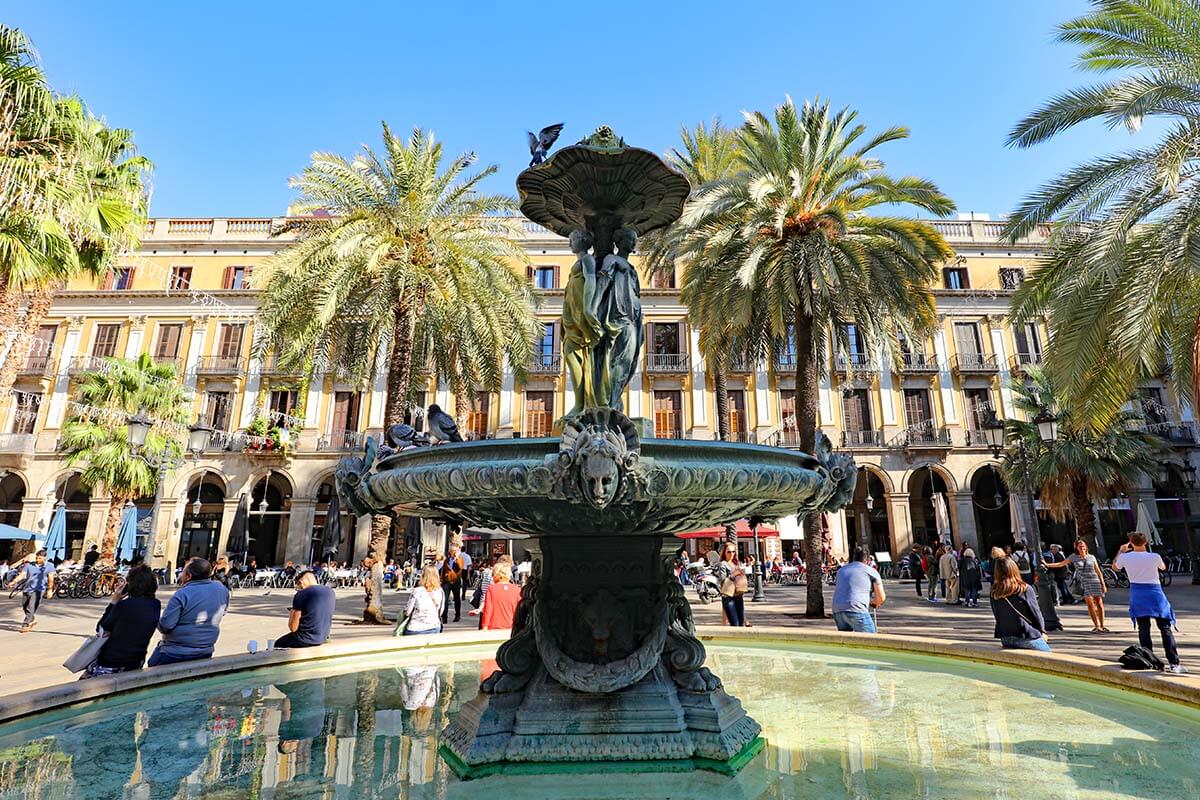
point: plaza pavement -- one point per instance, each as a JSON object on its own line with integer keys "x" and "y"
{"x": 33, "y": 660}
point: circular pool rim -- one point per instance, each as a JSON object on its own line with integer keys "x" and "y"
{"x": 20, "y": 705}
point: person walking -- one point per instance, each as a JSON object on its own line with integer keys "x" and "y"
{"x": 191, "y": 622}
{"x": 1024, "y": 563}
{"x": 130, "y": 620}
{"x": 858, "y": 590}
{"x": 1059, "y": 574}
{"x": 1019, "y": 622}
{"x": 914, "y": 566}
{"x": 451, "y": 571}
{"x": 970, "y": 578}
{"x": 732, "y": 580}
{"x": 426, "y": 605}
{"x": 948, "y": 568}
{"x": 1087, "y": 577}
{"x": 500, "y": 601}
{"x": 930, "y": 560}
{"x": 311, "y": 616}
{"x": 36, "y": 580}
{"x": 1147, "y": 600}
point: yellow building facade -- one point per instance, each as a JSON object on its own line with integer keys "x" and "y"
{"x": 188, "y": 296}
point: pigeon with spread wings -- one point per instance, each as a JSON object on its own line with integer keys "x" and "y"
{"x": 541, "y": 143}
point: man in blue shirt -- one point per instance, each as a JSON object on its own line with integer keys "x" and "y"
{"x": 191, "y": 622}
{"x": 859, "y": 589}
{"x": 37, "y": 580}
{"x": 311, "y": 615}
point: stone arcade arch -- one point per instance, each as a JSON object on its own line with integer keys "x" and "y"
{"x": 993, "y": 515}
{"x": 923, "y": 482}
{"x": 873, "y": 523}
{"x": 13, "y": 489}
{"x": 270, "y": 510}
{"x": 203, "y": 514}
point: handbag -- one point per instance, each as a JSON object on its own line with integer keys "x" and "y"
{"x": 735, "y": 585}
{"x": 477, "y": 595}
{"x": 401, "y": 626}
{"x": 87, "y": 653}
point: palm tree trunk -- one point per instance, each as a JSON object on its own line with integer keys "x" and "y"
{"x": 39, "y": 302}
{"x": 1085, "y": 515}
{"x": 462, "y": 408}
{"x": 398, "y": 390}
{"x": 366, "y": 696}
{"x": 806, "y": 424}
{"x": 8, "y": 317}
{"x": 722, "y": 392}
{"x": 112, "y": 526}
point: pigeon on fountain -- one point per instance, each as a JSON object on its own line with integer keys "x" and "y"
{"x": 442, "y": 427}
{"x": 541, "y": 143}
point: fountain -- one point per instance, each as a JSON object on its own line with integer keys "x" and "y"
{"x": 603, "y": 665}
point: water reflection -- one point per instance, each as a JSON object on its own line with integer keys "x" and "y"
{"x": 836, "y": 726}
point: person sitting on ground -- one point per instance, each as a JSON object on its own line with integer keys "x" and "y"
{"x": 130, "y": 621}
{"x": 859, "y": 589}
{"x": 425, "y": 604}
{"x": 191, "y": 622}
{"x": 311, "y": 614}
{"x": 1019, "y": 622}
{"x": 970, "y": 578}
{"x": 1147, "y": 600}
{"x": 500, "y": 601}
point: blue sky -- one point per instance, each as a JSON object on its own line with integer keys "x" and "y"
{"x": 229, "y": 99}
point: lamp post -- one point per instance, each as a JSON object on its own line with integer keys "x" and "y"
{"x": 996, "y": 432}
{"x": 864, "y": 531}
{"x": 138, "y": 427}
{"x": 758, "y": 562}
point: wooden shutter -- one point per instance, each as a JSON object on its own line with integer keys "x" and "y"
{"x": 168, "y": 341}
{"x": 477, "y": 416}
{"x": 668, "y": 421}
{"x": 106, "y": 340}
{"x": 854, "y": 408}
{"x": 230, "y": 345}
{"x": 556, "y": 284}
{"x": 227, "y": 278}
{"x": 787, "y": 409}
{"x": 966, "y": 338}
{"x": 916, "y": 407}
{"x": 106, "y": 282}
{"x": 737, "y": 411}
{"x": 131, "y": 273}
{"x": 539, "y": 413}
{"x": 341, "y": 413}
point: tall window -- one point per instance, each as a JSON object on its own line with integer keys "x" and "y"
{"x": 665, "y": 336}
{"x": 668, "y": 414}
{"x": 415, "y": 415}
{"x": 738, "y": 422}
{"x": 345, "y": 412}
{"x": 857, "y": 347}
{"x": 856, "y": 409}
{"x": 1028, "y": 344}
{"x": 237, "y": 277}
{"x": 917, "y": 410}
{"x": 979, "y": 408}
{"x": 956, "y": 278}
{"x": 545, "y": 277}
{"x": 660, "y": 281}
{"x": 477, "y": 417}
{"x": 180, "y": 280}
{"x": 216, "y": 410}
{"x": 285, "y": 402}
{"x": 787, "y": 411}
{"x": 539, "y": 413}
{"x": 229, "y": 342}
{"x": 105, "y": 345}
{"x": 546, "y": 349}
{"x": 1154, "y": 409}
{"x": 26, "y": 412}
{"x": 41, "y": 348}
{"x": 119, "y": 279}
{"x": 167, "y": 348}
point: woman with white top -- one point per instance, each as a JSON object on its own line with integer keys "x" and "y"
{"x": 424, "y": 610}
{"x": 1147, "y": 600}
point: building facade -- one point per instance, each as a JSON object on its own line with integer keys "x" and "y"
{"x": 188, "y": 296}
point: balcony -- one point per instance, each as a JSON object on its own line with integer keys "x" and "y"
{"x": 667, "y": 364}
{"x": 17, "y": 444}
{"x": 918, "y": 364}
{"x": 87, "y": 364}
{"x": 673, "y": 433}
{"x": 220, "y": 365}
{"x": 742, "y": 437}
{"x": 37, "y": 366}
{"x": 341, "y": 442}
{"x": 974, "y": 364}
{"x": 853, "y": 362}
{"x": 739, "y": 365}
{"x": 784, "y": 362}
{"x": 926, "y": 437}
{"x": 545, "y": 364}
{"x": 1183, "y": 434}
{"x": 1021, "y": 361}
{"x": 862, "y": 438}
{"x": 272, "y": 366}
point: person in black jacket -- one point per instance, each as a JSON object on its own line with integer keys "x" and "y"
{"x": 130, "y": 621}
{"x": 1019, "y": 622}
{"x": 914, "y": 567}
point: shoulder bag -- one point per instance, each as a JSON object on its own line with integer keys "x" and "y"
{"x": 87, "y": 653}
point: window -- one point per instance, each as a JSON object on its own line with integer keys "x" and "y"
{"x": 544, "y": 277}
{"x": 917, "y": 411}
{"x": 665, "y": 336}
{"x": 237, "y": 277}
{"x": 345, "y": 412}
{"x": 738, "y": 423}
{"x": 785, "y": 351}
{"x": 181, "y": 279}
{"x": 668, "y": 414}
{"x": 1153, "y": 407}
{"x": 539, "y": 413}
{"x": 660, "y": 281}
{"x": 167, "y": 348}
{"x": 956, "y": 278}
{"x": 229, "y": 343}
{"x": 979, "y": 408}
{"x": 856, "y": 410}
{"x": 105, "y": 345}
{"x": 216, "y": 410}
{"x": 41, "y": 348}
{"x": 967, "y": 340}
{"x": 415, "y": 415}
{"x": 787, "y": 411}
{"x": 546, "y": 349}
{"x": 1011, "y": 278}
{"x": 477, "y": 417}
{"x": 119, "y": 279}
{"x": 284, "y": 401}
{"x": 25, "y": 415}
{"x": 1028, "y": 343}
{"x": 857, "y": 347}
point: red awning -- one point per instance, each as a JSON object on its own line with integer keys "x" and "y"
{"x": 743, "y": 531}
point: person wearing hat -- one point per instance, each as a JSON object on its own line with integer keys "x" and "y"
{"x": 311, "y": 615}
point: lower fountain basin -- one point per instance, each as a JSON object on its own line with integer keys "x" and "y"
{"x": 838, "y": 721}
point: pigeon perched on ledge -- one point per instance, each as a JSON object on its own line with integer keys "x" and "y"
{"x": 442, "y": 427}
{"x": 540, "y": 144}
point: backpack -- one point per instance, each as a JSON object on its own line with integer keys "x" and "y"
{"x": 1138, "y": 657}
{"x": 1022, "y": 561}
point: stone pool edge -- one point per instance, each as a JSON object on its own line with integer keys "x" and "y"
{"x": 23, "y": 704}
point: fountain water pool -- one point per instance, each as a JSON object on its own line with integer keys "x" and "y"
{"x": 838, "y": 722}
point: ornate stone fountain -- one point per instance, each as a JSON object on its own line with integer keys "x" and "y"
{"x": 603, "y": 664}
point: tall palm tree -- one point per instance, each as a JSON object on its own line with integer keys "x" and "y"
{"x": 1084, "y": 464}
{"x": 789, "y": 247}
{"x": 401, "y": 249}
{"x": 1119, "y": 281}
{"x": 97, "y": 438}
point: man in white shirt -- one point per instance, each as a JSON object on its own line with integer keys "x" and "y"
{"x": 1147, "y": 600}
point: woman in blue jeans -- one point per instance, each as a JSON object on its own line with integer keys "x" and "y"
{"x": 1019, "y": 623}
{"x": 729, "y": 568}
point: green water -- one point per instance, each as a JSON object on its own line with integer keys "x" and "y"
{"x": 839, "y": 723}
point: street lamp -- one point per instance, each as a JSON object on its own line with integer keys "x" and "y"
{"x": 754, "y": 522}
{"x": 995, "y": 430}
{"x": 138, "y": 428}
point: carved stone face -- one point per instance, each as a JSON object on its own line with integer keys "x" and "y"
{"x": 599, "y": 473}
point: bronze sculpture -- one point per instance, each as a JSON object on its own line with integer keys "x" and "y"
{"x": 620, "y": 313}
{"x": 581, "y": 328}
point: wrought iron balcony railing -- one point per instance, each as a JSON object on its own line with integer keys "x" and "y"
{"x": 862, "y": 438}
{"x": 220, "y": 365}
{"x": 918, "y": 363}
{"x": 37, "y": 365}
{"x": 1021, "y": 361}
{"x": 974, "y": 363}
{"x": 545, "y": 364}
{"x": 667, "y": 363}
{"x": 854, "y": 362}
{"x": 341, "y": 441}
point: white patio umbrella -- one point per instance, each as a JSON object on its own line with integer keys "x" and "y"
{"x": 941, "y": 517}
{"x": 1015, "y": 520}
{"x": 1145, "y": 524}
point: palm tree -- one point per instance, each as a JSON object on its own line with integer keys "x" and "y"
{"x": 400, "y": 249}
{"x": 97, "y": 437}
{"x": 788, "y": 248}
{"x": 709, "y": 153}
{"x": 1084, "y": 464}
{"x": 1119, "y": 280}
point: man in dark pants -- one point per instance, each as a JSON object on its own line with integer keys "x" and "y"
{"x": 311, "y": 615}
{"x": 914, "y": 567}
{"x": 451, "y": 572}
{"x": 37, "y": 581}
{"x": 1059, "y": 574}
